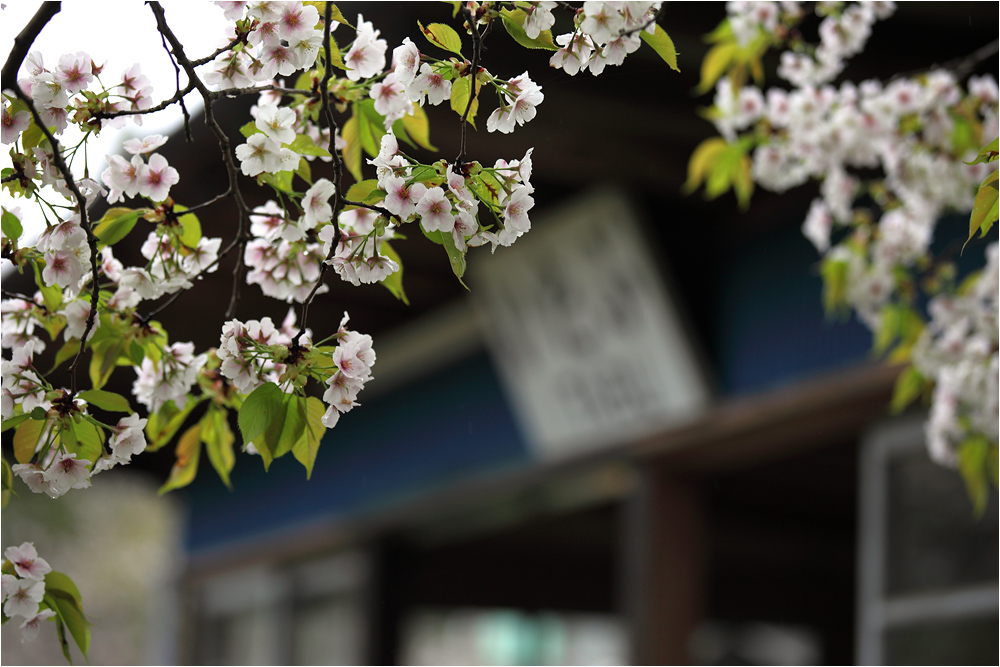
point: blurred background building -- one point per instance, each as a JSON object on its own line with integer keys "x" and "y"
{"x": 637, "y": 439}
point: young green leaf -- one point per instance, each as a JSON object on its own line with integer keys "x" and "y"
{"x": 460, "y": 91}
{"x": 304, "y": 145}
{"x": 394, "y": 281}
{"x": 513, "y": 22}
{"x": 26, "y": 439}
{"x": 909, "y": 385}
{"x": 972, "y": 461}
{"x": 190, "y": 227}
{"x": 443, "y": 36}
{"x": 106, "y": 400}
{"x": 418, "y": 127}
{"x": 307, "y": 446}
{"x": 261, "y": 407}
{"x": 352, "y": 151}
{"x": 116, "y": 224}
{"x": 218, "y": 439}
{"x": 11, "y": 225}
{"x": 984, "y": 210}
{"x": 186, "y": 466}
{"x": 663, "y": 45}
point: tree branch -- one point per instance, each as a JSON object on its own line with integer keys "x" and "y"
{"x": 477, "y": 49}
{"x": 81, "y": 203}
{"x": 177, "y": 50}
{"x": 24, "y": 40}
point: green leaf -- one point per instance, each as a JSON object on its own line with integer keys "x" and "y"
{"x": 394, "y": 282}
{"x": 352, "y": 150}
{"x": 984, "y": 211}
{"x": 218, "y": 439}
{"x": 11, "y": 225}
{"x": 663, "y": 45}
{"x": 32, "y": 137}
{"x": 250, "y": 129}
{"x": 304, "y": 171}
{"x": 11, "y": 422}
{"x": 443, "y": 36}
{"x": 371, "y": 126}
{"x": 52, "y": 295}
{"x": 281, "y": 181}
{"x": 304, "y": 145}
{"x": 909, "y": 385}
{"x": 702, "y": 162}
{"x": 455, "y": 256}
{"x": 418, "y": 127}
{"x": 972, "y": 455}
{"x": 307, "y": 446}
{"x": 103, "y": 360}
{"x": 715, "y": 64}
{"x": 116, "y": 224}
{"x": 64, "y": 598}
{"x": 186, "y": 466}
{"x": 106, "y": 400}
{"x": 26, "y": 439}
{"x": 261, "y": 407}
{"x": 190, "y": 227}
{"x": 164, "y": 424}
{"x": 65, "y": 353}
{"x": 513, "y": 21}
{"x": 60, "y": 631}
{"x": 988, "y": 153}
{"x": 57, "y": 581}
{"x": 335, "y": 14}
{"x": 86, "y": 442}
{"x": 291, "y": 428}
{"x": 361, "y": 190}
{"x": 460, "y": 90}
{"x": 7, "y": 487}
{"x": 834, "y": 274}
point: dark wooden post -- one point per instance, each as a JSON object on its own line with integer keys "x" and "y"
{"x": 664, "y": 569}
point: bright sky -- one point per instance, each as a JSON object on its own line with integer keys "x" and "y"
{"x": 118, "y": 33}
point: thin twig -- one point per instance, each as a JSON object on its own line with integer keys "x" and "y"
{"x": 477, "y": 48}
{"x": 177, "y": 80}
{"x": 338, "y": 174}
{"x": 177, "y": 51}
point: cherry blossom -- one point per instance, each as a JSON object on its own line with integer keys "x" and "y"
{"x": 26, "y": 562}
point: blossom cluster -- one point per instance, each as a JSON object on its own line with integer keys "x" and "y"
{"x": 281, "y": 39}
{"x": 958, "y": 350}
{"x": 353, "y": 360}
{"x": 168, "y": 378}
{"x": 605, "y": 33}
{"x": 449, "y": 203}
{"x": 24, "y": 590}
{"x": 247, "y": 351}
{"x": 891, "y": 159}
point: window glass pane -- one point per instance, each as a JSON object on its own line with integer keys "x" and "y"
{"x": 967, "y": 641}
{"x": 512, "y": 637}
{"x": 330, "y": 632}
{"x": 934, "y": 539}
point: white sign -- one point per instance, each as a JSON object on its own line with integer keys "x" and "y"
{"x": 589, "y": 346}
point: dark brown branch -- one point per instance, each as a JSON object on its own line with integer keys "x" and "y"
{"x": 218, "y": 52}
{"x": 477, "y": 49}
{"x": 81, "y": 203}
{"x": 24, "y": 40}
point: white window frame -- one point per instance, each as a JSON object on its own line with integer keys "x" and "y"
{"x": 877, "y": 611}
